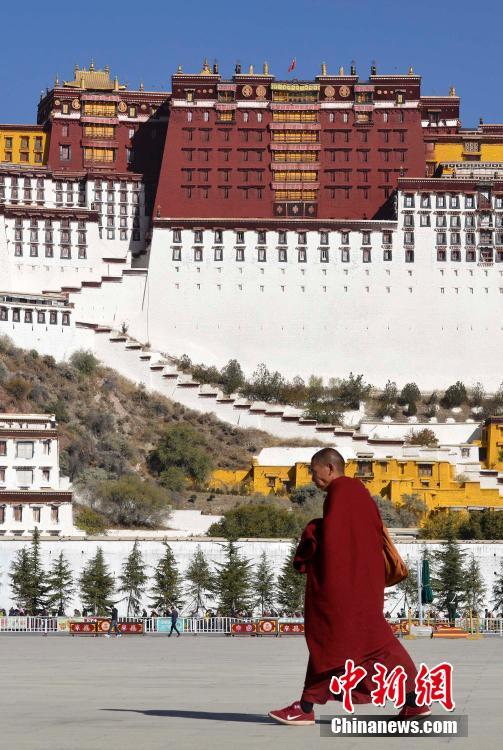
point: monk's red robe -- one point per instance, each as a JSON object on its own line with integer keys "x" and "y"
{"x": 342, "y": 556}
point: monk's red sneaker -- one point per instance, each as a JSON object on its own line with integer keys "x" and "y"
{"x": 409, "y": 712}
{"x": 293, "y": 715}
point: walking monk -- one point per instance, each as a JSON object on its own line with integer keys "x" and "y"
{"x": 342, "y": 556}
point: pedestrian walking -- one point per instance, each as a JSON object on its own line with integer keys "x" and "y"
{"x": 174, "y": 618}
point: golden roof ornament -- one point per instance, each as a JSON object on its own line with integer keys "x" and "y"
{"x": 141, "y": 86}
{"x": 206, "y": 71}
{"x": 266, "y": 69}
{"x": 250, "y": 70}
{"x": 452, "y": 91}
{"x": 323, "y": 69}
{"x": 341, "y": 71}
{"x": 91, "y": 67}
{"x": 179, "y": 70}
{"x": 116, "y": 83}
{"x": 411, "y": 71}
{"x": 56, "y": 80}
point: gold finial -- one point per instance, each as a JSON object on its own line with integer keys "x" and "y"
{"x": 206, "y": 68}
{"x": 266, "y": 69}
{"x": 56, "y": 80}
{"x": 411, "y": 71}
{"x": 116, "y": 83}
{"x": 107, "y": 69}
{"x": 452, "y": 91}
{"x": 91, "y": 67}
{"x": 82, "y": 82}
{"x": 341, "y": 71}
{"x": 141, "y": 86}
{"x": 76, "y": 68}
{"x": 250, "y": 70}
{"x": 323, "y": 69}
{"x": 179, "y": 69}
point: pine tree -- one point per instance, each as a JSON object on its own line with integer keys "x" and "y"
{"x": 232, "y": 582}
{"x": 408, "y": 587}
{"x": 20, "y": 578}
{"x": 291, "y": 586}
{"x": 97, "y": 585}
{"x": 28, "y": 578}
{"x": 199, "y": 579}
{"x": 498, "y": 591}
{"x": 263, "y": 584}
{"x": 474, "y": 588}
{"x": 133, "y": 580}
{"x": 166, "y": 589}
{"x": 449, "y": 581}
{"x": 60, "y": 582}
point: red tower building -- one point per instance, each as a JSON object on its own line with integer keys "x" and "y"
{"x": 254, "y": 147}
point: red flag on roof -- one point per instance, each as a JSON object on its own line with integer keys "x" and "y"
{"x": 292, "y": 64}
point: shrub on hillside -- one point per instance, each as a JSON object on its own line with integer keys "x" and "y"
{"x": 261, "y": 520}
{"x": 84, "y": 361}
{"x": 131, "y": 502}
{"x": 184, "y": 448}
{"x": 421, "y": 437}
{"x": 454, "y": 396}
{"x": 89, "y": 520}
{"x": 17, "y": 387}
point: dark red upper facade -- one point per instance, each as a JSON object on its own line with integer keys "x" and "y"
{"x": 256, "y": 147}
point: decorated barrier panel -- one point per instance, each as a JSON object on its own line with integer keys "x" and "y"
{"x": 267, "y": 626}
{"x": 83, "y": 628}
{"x": 291, "y": 628}
{"x": 243, "y": 628}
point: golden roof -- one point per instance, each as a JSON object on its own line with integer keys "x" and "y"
{"x": 94, "y": 80}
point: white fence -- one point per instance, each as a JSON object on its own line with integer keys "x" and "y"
{"x": 215, "y": 625}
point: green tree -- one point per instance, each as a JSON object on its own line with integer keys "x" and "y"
{"x": 264, "y": 385}
{"x": 455, "y": 395}
{"x": 263, "y": 584}
{"x": 474, "y": 588}
{"x": 183, "y": 447}
{"x": 133, "y": 580}
{"x": 232, "y": 582}
{"x": 97, "y": 585}
{"x": 231, "y": 377}
{"x": 60, "y": 582}
{"x": 387, "y": 400}
{"x": 198, "y": 579}
{"x": 20, "y": 578}
{"x": 291, "y": 585}
{"x": 352, "y": 391}
{"x": 497, "y": 591}
{"x": 411, "y": 509}
{"x": 449, "y": 579}
{"x": 90, "y": 521}
{"x": 408, "y": 587}
{"x": 440, "y": 523}
{"x": 477, "y": 395}
{"x": 130, "y": 501}
{"x": 261, "y": 520}
{"x": 165, "y": 592}
{"x": 410, "y": 394}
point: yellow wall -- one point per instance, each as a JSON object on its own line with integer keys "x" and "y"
{"x": 26, "y": 146}
{"x": 446, "y": 152}
{"x": 492, "y": 442}
{"x": 390, "y": 478}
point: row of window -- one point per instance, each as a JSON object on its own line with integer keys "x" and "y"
{"x": 24, "y": 448}
{"x": 65, "y": 251}
{"x": 441, "y": 200}
{"x": 301, "y": 237}
{"x": 19, "y": 510}
{"x": 29, "y": 316}
{"x": 299, "y": 116}
{"x": 454, "y": 220}
{"x": 486, "y": 238}
{"x": 324, "y": 254}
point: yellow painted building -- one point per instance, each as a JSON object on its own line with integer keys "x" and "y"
{"x": 432, "y": 481}
{"x": 23, "y": 144}
{"x": 491, "y": 443}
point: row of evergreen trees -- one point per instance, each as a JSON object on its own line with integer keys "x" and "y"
{"x": 234, "y": 584}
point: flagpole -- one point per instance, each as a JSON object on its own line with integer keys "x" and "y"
{"x": 419, "y": 590}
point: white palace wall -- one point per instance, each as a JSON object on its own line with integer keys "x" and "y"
{"x": 79, "y": 551}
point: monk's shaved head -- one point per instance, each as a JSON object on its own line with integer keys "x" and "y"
{"x": 329, "y": 456}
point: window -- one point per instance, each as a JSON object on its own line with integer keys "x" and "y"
{"x": 365, "y": 238}
{"x": 54, "y": 514}
{"x": 470, "y": 220}
{"x": 424, "y": 220}
{"x": 408, "y": 201}
{"x": 282, "y": 238}
{"x": 425, "y": 201}
{"x": 240, "y": 253}
{"x": 219, "y": 253}
{"x": 218, "y": 237}
{"x": 408, "y": 220}
{"x": 240, "y": 237}
{"x": 65, "y": 153}
{"x": 28, "y": 316}
{"x": 425, "y": 470}
{"x": 4, "y": 313}
{"x": 101, "y": 109}
{"x": 387, "y": 254}
{"x": 24, "y": 477}
{"x": 455, "y": 238}
{"x": 440, "y": 202}
{"x": 323, "y": 238}
{"x": 301, "y": 238}
{"x": 324, "y": 256}
{"x": 282, "y": 255}
{"x": 262, "y": 254}
{"x": 441, "y": 255}
{"x": 198, "y": 236}
{"x": 456, "y": 255}
{"x": 24, "y": 449}
{"x": 441, "y": 238}
{"x": 409, "y": 238}
{"x": 99, "y": 154}
{"x": 65, "y": 108}
{"x": 470, "y": 256}
{"x": 36, "y": 514}
{"x": 16, "y": 315}
{"x": 344, "y": 238}
{"x": 454, "y": 201}
{"x": 409, "y": 256}
{"x": 18, "y": 512}
{"x": 3, "y": 447}
{"x": 302, "y": 255}
{"x": 345, "y": 255}
{"x": 131, "y": 112}
{"x": 198, "y": 253}
{"x": 53, "y": 317}
{"x": 469, "y": 201}
{"x": 65, "y": 319}
{"x": 366, "y": 255}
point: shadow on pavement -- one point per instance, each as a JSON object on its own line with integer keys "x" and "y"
{"x": 205, "y": 715}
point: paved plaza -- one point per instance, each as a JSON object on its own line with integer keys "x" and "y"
{"x": 64, "y": 693}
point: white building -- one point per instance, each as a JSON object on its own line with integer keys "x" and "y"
{"x": 32, "y": 492}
